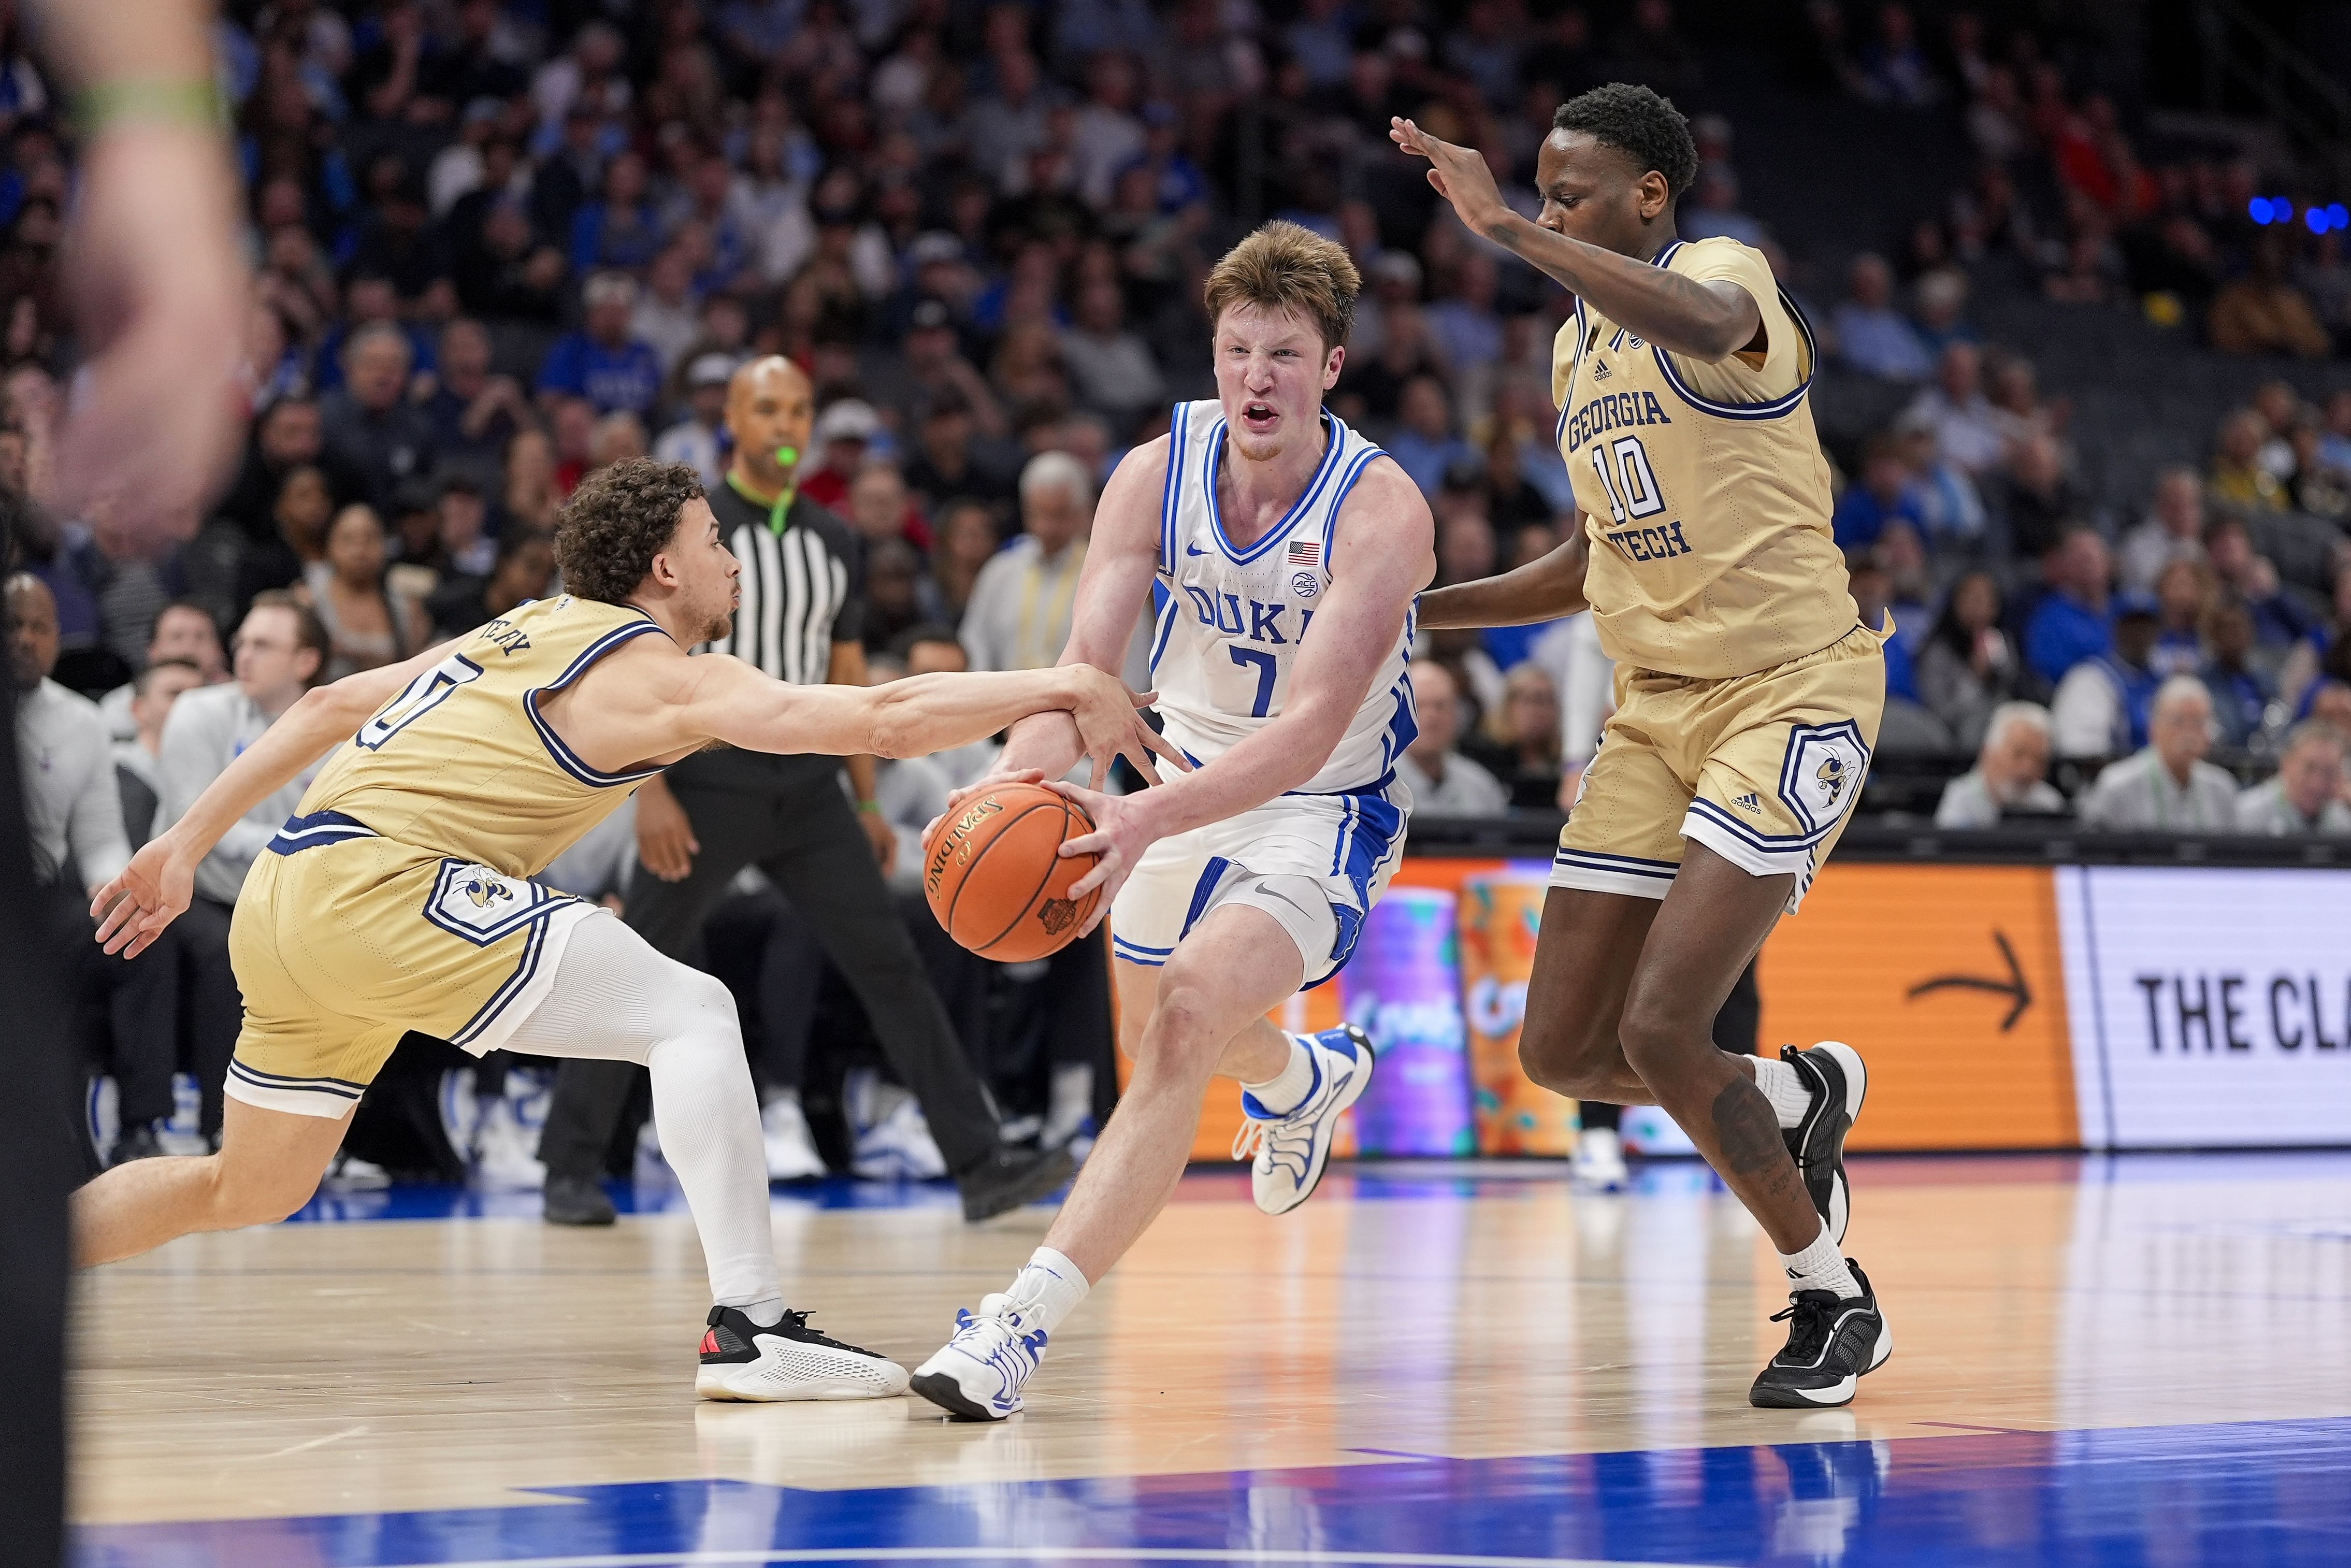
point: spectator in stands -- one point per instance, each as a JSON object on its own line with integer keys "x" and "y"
{"x": 1968, "y": 666}
{"x": 2168, "y": 786}
{"x": 879, "y": 510}
{"x": 2102, "y": 706}
{"x": 2174, "y": 529}
{"x": 1445, "y": 783}
{"x": 602, "y": 363}
{"x": 1942, "y": 305}
{"x": 1872, "y": 336}
{"x": 2241, "y": 692}
{"x": 137, "y": 761}
{"x": 2071, "y": 622}
{"x": 666, "y": 317}
{"x": 2035, "y": 497}
{"x": 1110, "y": 368}
{"x": 621, "y": 230}
{"x": 968, "y": 540}
{"x": 1968, "y": 431}
{"x": 1424, "y": 443}
{"x": 2183, "y": 595}
{"x": 368, "y": 624}
{"x": 368, "y": 423}
{"x": 1019, "y": 616}
{"x": 473, "y": 412}
{"x": 185, "y": 633}
{"x": 524, "y": 570}
{"x": 2305, "y": 797}
{"x": 844, "y": 433}
{"x": 2280, "y": 620}
{"x": 2264, "y": 313}
{"x": 1882, "y": 494}
{"x": 1521, "y": 744}
{"x": 2318, "y": 488}
{"x": 695, "y": 439}
{"x": 2010, "y": 773}
{"x": 2238, "y": 477}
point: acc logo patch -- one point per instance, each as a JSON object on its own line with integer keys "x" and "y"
{"x": 1821, "y": 776}
{"x": 1303, "y": 585}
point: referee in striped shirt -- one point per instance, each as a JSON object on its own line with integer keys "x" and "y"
{"x": 709, "y": 815}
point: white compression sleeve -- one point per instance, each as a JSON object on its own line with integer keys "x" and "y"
{"x": 617, "y": 999}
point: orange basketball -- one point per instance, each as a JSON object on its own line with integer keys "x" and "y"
{"x": 996, "y": 880}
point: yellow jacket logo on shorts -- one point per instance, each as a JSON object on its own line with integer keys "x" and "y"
{"x": 1832, "y": 776}
{"x": 484, "y": 890}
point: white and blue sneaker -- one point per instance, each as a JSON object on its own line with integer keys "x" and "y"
{"x": 1287, "y": 1153}
{"x": 978, "y": 1374}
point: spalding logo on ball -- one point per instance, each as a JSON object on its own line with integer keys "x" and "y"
{"x": 996, "y": 880}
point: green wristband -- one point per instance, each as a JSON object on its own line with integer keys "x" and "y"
{"x": 871, "y": 807}
{"x": 192, "y": 105}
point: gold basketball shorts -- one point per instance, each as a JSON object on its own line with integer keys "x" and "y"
{"x": 1763, "y": 770}
{"x": 344, "y": 941}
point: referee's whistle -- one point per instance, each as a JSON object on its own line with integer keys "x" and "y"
{"x": 788, "y": 456}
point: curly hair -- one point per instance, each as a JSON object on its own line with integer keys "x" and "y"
{"x": 621, "y": 518}
{"x": 1639, "y": 123}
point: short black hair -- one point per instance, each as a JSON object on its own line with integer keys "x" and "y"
{"x": 616, "y": 522}
{"x": 1639, "y": 123}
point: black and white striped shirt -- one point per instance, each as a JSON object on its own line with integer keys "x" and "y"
{"x": 803, "y": 589}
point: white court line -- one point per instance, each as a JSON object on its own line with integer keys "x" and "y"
{"x": 313, "y": 1443}
{"x": 1041, "y": 1555}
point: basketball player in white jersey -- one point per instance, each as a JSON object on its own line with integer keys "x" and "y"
{"x": 1281, "y": 551}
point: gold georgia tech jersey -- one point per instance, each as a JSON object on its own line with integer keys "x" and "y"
{"x": 1707, "y": 496}
{"x": 461, "y": 763}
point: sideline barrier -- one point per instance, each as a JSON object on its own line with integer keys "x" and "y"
{"x": 2002, "y": 1006}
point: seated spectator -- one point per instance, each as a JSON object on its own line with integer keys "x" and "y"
{"x": 1712, "y": 210}
{"x": 305, "y": 507}
{"x": 2071, "y": 622}
{"x": 1424, "y": 443}
{"x": 879, "y": 509}
{"x": 1881, "y": 493}
{"x": 695, "y": 439}
{"x": 1872, "y": 337}
{"x": 666, "y": 317}
{"x": 2174, "y": 529}
{"x": 844, "y": 433}
{"x": 622, "y": 229}
{"x": 2280, "y": 619}
{"x": 1110, "y": 368}
{"x": 2183, "y": 596}
{"x": 473, "y": 412}
{"x": 951, "y": 462}
{"x": 1873, "y": 592}
{"x": 2305, "y": 797}
{"x": 138, "y": 761}
{"x": 1951, "y": 508}
{"x": 602, "y": 363}
{"x": 184, "y": 632}
{"x": 2168, "y": 786}
{"x": 2035, "y": 497}
{"x": 1969, "y": 431}
{"x": 2010, "y": 773}
{"x": 2264, "y": 313}
{"x": 1445, "y": 783}
{"x": 2102, "y": 706}
{"x": 367, "y": 623}
{"x": 2241, "y": 692}
{"x": 1966, "y": 666}
{"x": 1521, "y": 744}
{"x": 968, "y": 540}
{"x": 2318, "y": 488}
{"x": 899, "y": 594}
{"x": 1942, "y": 306}
{"x": 461, "y": 521}
{"x": 369, "y": 423}
{"x": 524, "y": 570}
{"x": 1019, "y": 616}
{"x": 2238, "y": 477}
{"x": 618, "y": 436}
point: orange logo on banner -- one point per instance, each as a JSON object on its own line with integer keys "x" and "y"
{"x": 1501, "y": 914}
{"x": 1950, "y": 981}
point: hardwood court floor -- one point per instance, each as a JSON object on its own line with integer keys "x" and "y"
{"x": 399, "y": 1381}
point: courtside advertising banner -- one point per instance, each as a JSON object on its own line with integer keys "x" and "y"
{"x": 2210, "y": 1007}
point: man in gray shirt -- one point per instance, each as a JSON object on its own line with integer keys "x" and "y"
{"x": 1442, "y": 782}
{"x": 2305, "y": 796}
{"x": 278, "y": 654}
{"x": 2010, "y": 772}
{"x": 2169, "y": 787}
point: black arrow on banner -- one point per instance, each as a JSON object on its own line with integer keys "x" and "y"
{"x": 2013, "y": 987}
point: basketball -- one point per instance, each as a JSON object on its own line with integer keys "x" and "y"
{"x": 996, "y": 880}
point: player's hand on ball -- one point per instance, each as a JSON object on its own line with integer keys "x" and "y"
{"x": 972, "y": 791}
{"x": 1119, "y": 838}
{"x": 152, "y": 892}
{"x": 1110, "y": 725}
{"x": 1459, "y": 174}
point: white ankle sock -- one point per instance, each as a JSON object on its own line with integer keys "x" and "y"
{"x": 767, "y": 1312}
{"x": 1819, "y": 1267}
{"x": 1286, "y": 1090}
{"x": 1784, "y": 1087}
{"x": 1048, "y": 1288}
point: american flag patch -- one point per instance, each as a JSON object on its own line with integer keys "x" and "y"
{"x": 1306, "y": 553}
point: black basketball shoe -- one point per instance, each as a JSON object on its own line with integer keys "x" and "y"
{"x": 1006, "y": 1177}
{"x": 1837, "y": 1079}
{"x": 1832, "y": 1344}
{"x": 787, "y": 1359}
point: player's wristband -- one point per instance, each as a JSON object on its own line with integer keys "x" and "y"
{"x": 870, "y": 808}
{"x": 189, "y": 105}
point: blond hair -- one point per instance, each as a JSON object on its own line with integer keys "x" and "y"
{"x": 1283, "y": 267}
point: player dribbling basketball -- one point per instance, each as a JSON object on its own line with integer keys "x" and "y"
{"x": 1281, "y": 551}
{"x": 1748, "y": 691}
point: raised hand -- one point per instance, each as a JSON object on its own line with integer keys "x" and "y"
{"x": 1459, "y": 174}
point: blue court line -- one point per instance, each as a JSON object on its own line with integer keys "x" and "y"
{"x": 2261, "y": 1493}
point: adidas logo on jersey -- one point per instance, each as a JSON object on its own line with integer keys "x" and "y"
{"x": 1601, "y": 372}
{"x": 1748, "y": 803}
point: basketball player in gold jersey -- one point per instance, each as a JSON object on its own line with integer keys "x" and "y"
{"x": 399, "y": 897}
{"x": 1748, "y": 691}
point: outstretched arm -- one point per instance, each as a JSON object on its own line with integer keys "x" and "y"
{"x": 1122, "y": 556}
{"x": 1541, "y": 589}
{"x": 1711, "y": 321}
{"x": 152, "y": 892}
{"x": 1384, "y": 552}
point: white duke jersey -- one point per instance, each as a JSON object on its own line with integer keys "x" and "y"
{"x": 1230, "y": 619}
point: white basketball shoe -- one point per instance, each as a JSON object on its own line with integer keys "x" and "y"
{"x": 978, "y": 1374}
{"x": 1287, "y": 1153}
{"x": 787, "y": 1359}
{"x": 791, "y": 1147}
